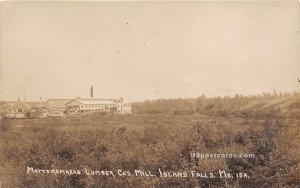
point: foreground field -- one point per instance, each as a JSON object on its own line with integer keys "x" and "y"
{"x": 148, "y": 142}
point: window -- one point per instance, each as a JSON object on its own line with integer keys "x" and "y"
{"x": 20, "y": 110}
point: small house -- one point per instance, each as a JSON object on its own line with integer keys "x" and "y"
{"x": 15, "y": 109}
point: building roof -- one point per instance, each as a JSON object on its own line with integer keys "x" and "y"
{"x": 89, "y": 99}
{"x": 7, "y": 105}
{"x": 22, "y": 105}
{"x": 37, "y": 104}
{"x": 16, "y": 105}
{"x": 95, "y": 101}
{"x": 52, "y": 103}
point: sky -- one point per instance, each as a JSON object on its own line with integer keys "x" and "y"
{"x": 148, "y": 50}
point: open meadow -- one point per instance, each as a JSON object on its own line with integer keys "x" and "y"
{"x": 159, "y": 134}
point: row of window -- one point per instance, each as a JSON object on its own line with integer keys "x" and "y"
{"x": 99, "y": 99}
{"x": 99, "y": 106}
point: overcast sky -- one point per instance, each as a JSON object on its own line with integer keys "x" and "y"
{"x": 148, "y": 50}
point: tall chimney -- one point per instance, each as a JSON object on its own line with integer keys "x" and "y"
{"x": 92, "y": 91}
{"x": 18, "y": 97}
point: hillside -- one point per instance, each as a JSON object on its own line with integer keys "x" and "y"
{"x": 239, "y": 106}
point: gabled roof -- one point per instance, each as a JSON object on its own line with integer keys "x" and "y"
{"x": 16, "y": 105}
{"x": 75, "y": 101}
{"x": 7, "y": 105}
{"x": 95, "y": 101}
{"x": 22, "y": 105}
{"x": 57, "y": 102}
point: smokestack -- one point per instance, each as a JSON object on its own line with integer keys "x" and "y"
{"x": 92, "y": 91}
{"x": 18, "y": 97}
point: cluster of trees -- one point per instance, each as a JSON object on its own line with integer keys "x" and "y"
{"x": 219, "y": 106}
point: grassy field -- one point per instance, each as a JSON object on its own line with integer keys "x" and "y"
{"x": 159, "y": 135}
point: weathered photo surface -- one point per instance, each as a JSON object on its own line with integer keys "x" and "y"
{"x": 150, "y": 94}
